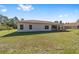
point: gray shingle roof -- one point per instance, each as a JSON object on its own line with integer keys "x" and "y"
{"x": 37, "y": 21}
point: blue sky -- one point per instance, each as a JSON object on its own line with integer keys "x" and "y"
{"x": 50, "y": 12}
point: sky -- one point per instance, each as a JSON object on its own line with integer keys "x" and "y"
{"x": 48, "y": 12}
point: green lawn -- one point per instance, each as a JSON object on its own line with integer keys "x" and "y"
{"x": 39, "y": 42}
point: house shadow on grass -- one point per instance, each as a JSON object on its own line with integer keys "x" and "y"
{"x": 29, "y": 33}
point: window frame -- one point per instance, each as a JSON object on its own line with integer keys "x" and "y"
{"x": 46, "y": 27}
{"x": 21, "y": 27}
{"x": 30, "y": 27}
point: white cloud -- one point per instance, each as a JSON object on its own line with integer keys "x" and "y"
{"x": 63, "y": 15}
{"x": 60, "y": 16}
{"x": 2, "y": 8}
{"x": 25, "y": 7}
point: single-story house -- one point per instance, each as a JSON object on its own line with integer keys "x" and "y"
{"x": 71, "y": 25}
{"x": 37, "y": 25}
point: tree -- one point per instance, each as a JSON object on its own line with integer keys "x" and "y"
{"x": 0, "y": 18}
{"x": 77, "y": 20}
{"x": 15, "y": 21}
{"x": 3, "y": 19}
{"x": 22, "y": 19}
{"x": 16, "y": 18}
{"x": 11, "y": 22}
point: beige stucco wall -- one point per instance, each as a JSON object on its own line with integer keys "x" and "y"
{"x": 35, "y": 27}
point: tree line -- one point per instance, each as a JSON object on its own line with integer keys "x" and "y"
{"x": 8, "y": 23}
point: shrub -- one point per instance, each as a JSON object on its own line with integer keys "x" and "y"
{"x": 2, "y": 27}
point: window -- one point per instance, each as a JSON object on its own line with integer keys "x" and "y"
{"x": 21, "y": 27}
{"x": 46, "y": 27}
{"x": 30, "y": 27}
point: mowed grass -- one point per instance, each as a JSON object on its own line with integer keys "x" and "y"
{"x": 39, "y": 42}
